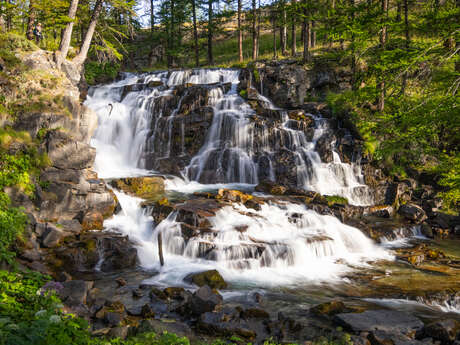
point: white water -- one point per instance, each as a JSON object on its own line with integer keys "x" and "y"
{"x": 282, "y": 243}
{"x": 403, "y": 237}
{"x": 127, "y": 137}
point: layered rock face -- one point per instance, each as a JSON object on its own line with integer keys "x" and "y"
{"x": 67, "y": 192}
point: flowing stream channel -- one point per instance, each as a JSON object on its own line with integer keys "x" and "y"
{"x": 137, "y": 132}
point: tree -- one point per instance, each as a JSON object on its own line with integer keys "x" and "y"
{"x": 195, "y": 35}
{"x": 210, "y": 32}
{"x": 240, "y": 34}
{"x": 61, "y": 54}
{"x": 383, "y": 39}
{"x": 81, "y": 57}
{"x": 254, "y": 30}
{"x": 31, "y": 19}
{"x": 283, "y": 28}
{"x": 293, "y": 29}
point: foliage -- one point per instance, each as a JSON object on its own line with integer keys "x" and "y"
{"x": 100, "y": 72}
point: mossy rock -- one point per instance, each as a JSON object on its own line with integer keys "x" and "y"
{"x": 335, "y": 199}
{"x": 212, "y": 278}
{"x": 329, "y": 308}
{"x": 151, "y": 188}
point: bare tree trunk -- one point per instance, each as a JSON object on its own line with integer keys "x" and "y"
{"x": 81, "y": 57}
{"x": 195, "y": 35}
{"x": 407, "y": 43}
{"x": 240, "y": 34}
{"x": 61, "y": 54}
{"x": 383, "y": 38}
{"x": 275, "y": 55}
{"x": 398, "y": 11}
{"x": 353, "y": 58}
{"x": 283, "y": 30}
{"x": 254, "y": 31}
{"x": 160, "y": 249}
{"x": 306, "y": 32}
{"x": 152, "y": 17}
{"x": 293, "y": 33}
{"x": 31, "y": 20}
{"x": 313, "y": 34}
{"x": 258, "y": 31}
{"x": 210, "y": 33}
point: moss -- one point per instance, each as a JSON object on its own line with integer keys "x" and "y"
{"x": 335, "y": 199}
{"x": 244, "y": 94}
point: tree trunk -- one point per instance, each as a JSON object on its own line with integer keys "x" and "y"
{"x": 240, "y": 34}
{"x": 31, "y": 20}
{"x": 313, "y": 34}
{"x": 353, "y": 57}
{"x": 195, "y": 35}
{"x": 171, "y": 35}
{"x": 293, "y": 33}
{"x": 210, "y": 33}
{"x": 275, "y": 55}
{"x": 398, "y": 11}
{"x": 306, "y": 33}
{"x": 254, "y": 31}
{"x": 258, "y": 31}
{"x": 407, "y": 43}
{"x": 66, "y": 37}
{"x": 160, "y": 249}
{"x": 383, "y": 38}
{"x": 283, "y": 30}
{"x": 152, "y": 17}
{"x": 81, "y": 57}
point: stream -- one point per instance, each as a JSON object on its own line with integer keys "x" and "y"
{"x": 194, "y": 128}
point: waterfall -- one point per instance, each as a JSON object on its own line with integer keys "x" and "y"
{"x": 140, "y": 121}
{"x": 146, "y": 123}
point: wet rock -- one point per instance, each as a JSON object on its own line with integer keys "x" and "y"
{"x": 174, "y": 292}
{"x": 151, "y": 188}
{"x": 147, "y": 311}
{"x": 444, "y": 330}
{"x": 204, "y": 300}
{"x": 329, "y": 308}
{"x": 111, "y": 251}
{"x": 270, "y": 187}
{"x": 70, "y": 225}
{"x": 211, "y": 278}
{"x": 389, "y": 321}
{"x": 255, "y": 313}
{"x": 384, "y": 211}
{"x": 412, "y": 212}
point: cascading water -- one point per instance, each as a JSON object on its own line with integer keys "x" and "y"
{"x": 137, "y": 115}
{"x": 147, "y": 126}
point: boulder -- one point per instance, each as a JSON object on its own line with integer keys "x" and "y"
{"x": 211, "y": 278}
{"x": 53, "y": 236}
{"x": 445, "y": 330}
{"x": 165, "y": 325}
{"x": 329, "y": 308}
{"x": 204, "y": 300}
{"x": 66, "y": 153}
{"x": 389, "y": 321}
{"x": 74, "y": 292}
{"x": 412, "y": 212}
{"x": 149, "y": 187}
